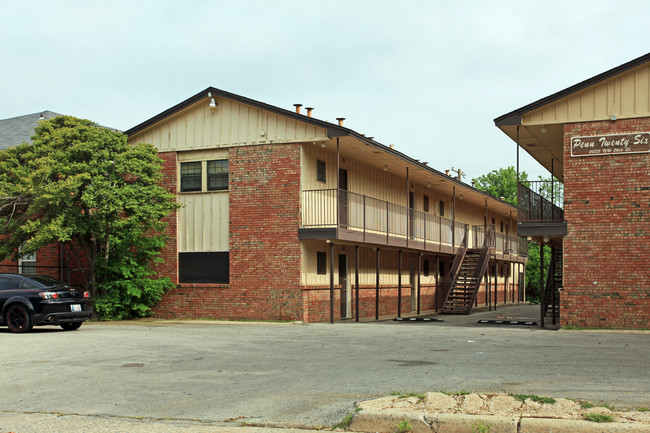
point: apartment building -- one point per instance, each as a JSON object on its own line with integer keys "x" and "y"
{"x": 288, "y": 217}
{"x": 594, "y": 137}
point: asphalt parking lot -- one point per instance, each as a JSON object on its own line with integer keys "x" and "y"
{"x": 305, "y": 375}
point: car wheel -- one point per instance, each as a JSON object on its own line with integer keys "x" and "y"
{"x": 18, "y": 319}
{"x": 70, "y": 326}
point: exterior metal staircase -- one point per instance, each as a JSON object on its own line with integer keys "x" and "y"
{"x": 465, "y": 277}
{"x": 553, "y": 285}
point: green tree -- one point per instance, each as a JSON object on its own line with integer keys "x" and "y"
{"x": 83, "y": 185}
{"x": 501, "y": 183}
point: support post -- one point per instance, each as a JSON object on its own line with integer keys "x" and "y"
{"x": 496, "y": 283}
{"x": 399, "y": 285}
{"x": 377, "y": 287}
{"x": 356, "y": 281}
{"x": 331, "y": 282}
{"x": 437, "y": 281}
{"x": 541, "y": 285}
{"x": 419, "y": 279}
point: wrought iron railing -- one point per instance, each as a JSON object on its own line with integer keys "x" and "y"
{"x": 539, "y": 201}
{"x": 355, "y": 212}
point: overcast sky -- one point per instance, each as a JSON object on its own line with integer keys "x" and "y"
{"x": 427, "y": 76}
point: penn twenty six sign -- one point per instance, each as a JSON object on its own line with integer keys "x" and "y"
{"x": 610, "y": 144}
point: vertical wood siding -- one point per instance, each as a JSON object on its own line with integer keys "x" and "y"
{"x": 231, "y": 124}
{"x": 626, "y": 95}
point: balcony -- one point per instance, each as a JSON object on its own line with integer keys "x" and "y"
{"x": 540, "y": 210}
{"x": 345, "y": 216}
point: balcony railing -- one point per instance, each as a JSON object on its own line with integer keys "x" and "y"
{"x": 330, "y": 208}
{"x": 540, "y": 201}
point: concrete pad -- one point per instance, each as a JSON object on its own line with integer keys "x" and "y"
{"x": 545, "y": 425}
{"x": 386, "y": 422}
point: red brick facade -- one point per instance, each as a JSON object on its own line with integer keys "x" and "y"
{"x": 265, "y": 253}
{"x": 607, "y": 249}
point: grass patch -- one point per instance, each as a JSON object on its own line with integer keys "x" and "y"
{"x": 461, "y": 392}
{"x": 643, "y": 409}
{"x": 535, "y": 398}
{"x": 481, "y": 426}
{"x": 599, "y": 417}
{"x": 420, "y": 397}
{"x": 586, "y": 404}
{"x": 404, "y": 426}
{"x": 347, "y": 420}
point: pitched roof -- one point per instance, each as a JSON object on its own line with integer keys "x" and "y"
{"x": 18, "y": 130}
{"x": 332, "y": 129}
{"x": 514, "y": 117}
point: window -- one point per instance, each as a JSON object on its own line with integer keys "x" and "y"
{"x": 501, "y": 226}
{"x": 217, "y": 175}
{"x": 27, "y": 264}
{"x": 190, "y": 176}
{"x": 425, "y": 203}
{"x": 321, "y": 263}
{"x": 442, "y": 208}
{"x": 204, "y": 267}
{"x": 425, "y": 266}
{"x": 321, "y": 167}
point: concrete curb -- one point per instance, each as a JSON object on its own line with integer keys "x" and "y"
{"x": 369, "y": 421}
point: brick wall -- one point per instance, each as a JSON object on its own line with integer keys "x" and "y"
{"x": 169, "y": 254}
{"x": 607, "y": 249}
{"x": 265, "y": 252}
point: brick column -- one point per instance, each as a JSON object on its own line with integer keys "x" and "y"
{"x": 607, "y": 249}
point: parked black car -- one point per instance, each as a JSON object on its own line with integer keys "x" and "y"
{"x": 27, "y": 301}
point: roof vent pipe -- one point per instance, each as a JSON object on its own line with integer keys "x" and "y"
{"x": 297, "y": 107}
{"x": 340, "y": 119}
{"x": 309, "y": 110}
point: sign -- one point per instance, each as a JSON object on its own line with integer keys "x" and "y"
{"x": 610, "y": 144}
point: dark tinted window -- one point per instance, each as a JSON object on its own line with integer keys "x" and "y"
{"x": 321, "y": 263}
{"x": 190, "y": 176}
{"x": 204, "y": 267}
{"x": 7, "y": 284}
{"x": 217, "y": 175}
{"x": 321, "y": 175}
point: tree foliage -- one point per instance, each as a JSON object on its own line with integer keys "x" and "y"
{"x": 83, "y": 185}
{"x": 501, "y": 183}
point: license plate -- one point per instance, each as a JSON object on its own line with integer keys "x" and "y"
{"x": 75, "y": 307}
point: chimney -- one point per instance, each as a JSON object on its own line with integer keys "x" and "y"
{"x": 309, "y": 110}
{"x": 297, "y": 107}
{"x": 340, "y": 119}
{"x": 447, "y": 172}
{"x": 460, "y": 174}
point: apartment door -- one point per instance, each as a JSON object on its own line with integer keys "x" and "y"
{"x": 343, "y": 282}
{"x": 343, "y": 198}
{"x": 414, "y": 282}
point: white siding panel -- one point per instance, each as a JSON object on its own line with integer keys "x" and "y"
{"x": 230, "y": 124}
{"x": 203, "y": 222}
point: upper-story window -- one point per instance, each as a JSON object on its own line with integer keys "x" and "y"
{"x": 442, "y": 208}
{"x": 321, "y": 170}
{"x": 425, "y": 203}
{"x": 217, "y": 174}
{"x": 215, "y": 178}
{"x": 190, "y": 176}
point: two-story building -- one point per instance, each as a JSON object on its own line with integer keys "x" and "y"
{"x": 288, "y": 217}
{"x": 594, "y": 137}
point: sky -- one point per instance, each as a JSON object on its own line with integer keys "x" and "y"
{"x": 428, "y": 76}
